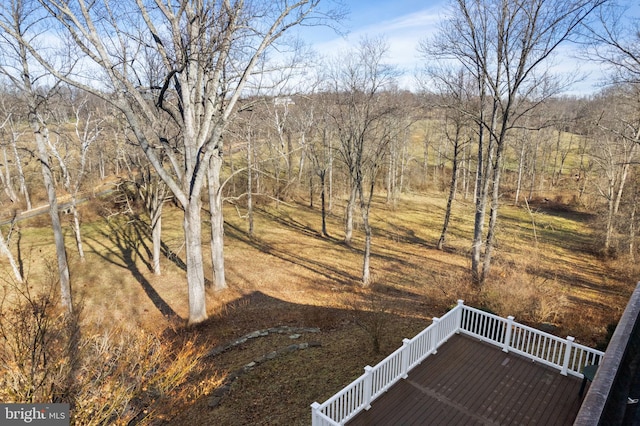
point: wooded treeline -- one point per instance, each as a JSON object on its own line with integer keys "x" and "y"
{"x": 203, "y": 103}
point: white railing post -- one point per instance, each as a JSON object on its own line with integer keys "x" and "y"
{"x": 434, "y": 335}
{"x": 314, "y": 417}
{"x": 460, "y": 307}
{"x": 506, "y": 344}
{"x": 405, "y": 357}
{"x": 367, "y": 387}
{"x": 567, "y": 355}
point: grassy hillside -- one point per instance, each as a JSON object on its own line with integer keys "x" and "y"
{"x": 546, "y": 271}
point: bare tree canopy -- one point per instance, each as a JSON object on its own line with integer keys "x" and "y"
{"x": 362, "y": 112}
{"x": 614, "y": 43}
{"x": 506, "y": 47}
{"x": 176, "y": 71}
{"x": 20, "y": 25}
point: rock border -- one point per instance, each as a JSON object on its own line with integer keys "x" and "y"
{"x": 216, "y": 397}
{"x": 284, "y": 329}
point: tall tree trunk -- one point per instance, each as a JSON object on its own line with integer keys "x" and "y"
{"x": 41, "y": 134}
{"x": 452, "y": 196}
{"x": 467, "y": 169}
{"x": 534, "y": 162}
{"x": 101, "y": 165}
{"x": 425, "y": 159}
{"x": 348, "y": 223}
{"x": 66, "y": 178}
{"x": 493, "y": 216}
{"x": 366, "y": 273}
{"x": 481, "y": 193}
{"x": 76, "y": 228}
{"x": 156, "y": 237}
{"x": 250, "y": 185}
{"x": 217, "y": 222}
{"x": 23, "y": 185}
{"x": 623, "y": 177}
{"x": 555, "y": 174}
{"x": 233, "y": 169}
{"x": 6, "y": 178}
{"x": 390, "y": 168}
{"x": 192, "y": 226}
{"x": 365, "y": 207}
{"x": 4, "y": 249}
{"x": 303, "y": 155}
{"x": 485, "y": 162}
{"x": 632, "y": 230}
{"x": 289, "y": 157}
{"x": 520, "y": 171}
{"x": 323, "y": 202}
{"x": 403, "y": 163}
{"x": 330, "y": 205}
{"x": 610, "y": 214}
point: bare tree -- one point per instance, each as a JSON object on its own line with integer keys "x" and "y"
{"x": 320, "y": 148}
{"x": 4, "y": 250}
{"x": 456, "y": 133}
{"x": 208, "y": 51}
{"x": 505, "y": 46}
{"x": 281, "y": 146}
{"x": 614, "y": 42}
{"x": 20, "y": 26}
{"x": 613, "y": 157}
{"x": 360, "y": 111}
{"x": 5, "y": 175}
{"x": 15, "y": 135}
{"x": 247, "y": 130}
{"x": 614, "y": 148}
{"x": 153, "y": 193}
{"x": 523, "y": 140}
{"x": 615, "y": 39}
{"x": 398, "y": 149}
{"x": 73, "y": 158}
{"x": 454, "y": 96}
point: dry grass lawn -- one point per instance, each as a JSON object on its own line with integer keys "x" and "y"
{"x": 546, "y": 270}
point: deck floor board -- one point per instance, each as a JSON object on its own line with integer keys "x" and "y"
{"x": 469, "y": 382}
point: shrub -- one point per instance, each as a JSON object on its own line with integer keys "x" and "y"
{"x": 108, "y": 375}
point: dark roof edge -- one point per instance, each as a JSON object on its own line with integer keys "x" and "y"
{"x": 596, "y": 398}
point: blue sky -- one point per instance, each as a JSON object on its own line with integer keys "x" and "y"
{"x": 372, "y": 12}
{"x": 405, "y": 22}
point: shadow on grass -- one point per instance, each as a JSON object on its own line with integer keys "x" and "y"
{"x": 284, "y": 218}
{"x": 345, "y": 347}
{"x": 387, "y": 260}
{"x": 128, "y": 238}
{"x": 326, "y": 270}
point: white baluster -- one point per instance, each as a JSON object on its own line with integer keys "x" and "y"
{"x": 506, "y": 344}
{"x": 405, "y": 357}
{"x": 434, "y": 335}
{"x": 315, "y": 421}
{"x": 367, "y": 387}
{"x": 567, "y": 355}
{"x": 460, "y": 307}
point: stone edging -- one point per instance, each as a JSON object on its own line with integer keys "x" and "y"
{"x": 216, "y": 397}
{"x": 293, "y": 331}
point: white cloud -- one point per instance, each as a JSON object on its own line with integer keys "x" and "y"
{"x": 402, "y": 34}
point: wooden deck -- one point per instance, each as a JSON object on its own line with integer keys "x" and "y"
{"x": 469, "y": 382}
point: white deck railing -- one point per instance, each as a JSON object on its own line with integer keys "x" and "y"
{"x": 562, "y": 354}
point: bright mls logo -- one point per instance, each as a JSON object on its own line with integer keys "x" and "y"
{"x": 35, "y": 414}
